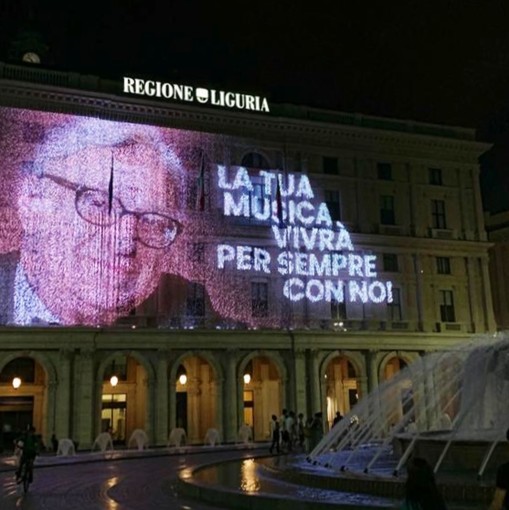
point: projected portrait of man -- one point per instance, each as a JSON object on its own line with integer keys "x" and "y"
{"x": 98, "y": 207}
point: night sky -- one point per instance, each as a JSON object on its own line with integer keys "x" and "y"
{"x": 443, "y": 61}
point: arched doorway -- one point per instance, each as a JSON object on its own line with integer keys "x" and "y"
{"x": 23, "y": 399}
{"x": 400, "y": 401}
{"x": 124, "y": 397}
{"x": 341, "y": 387}
{"x": 261, "y": 395}
{"x": 196, "y": 397}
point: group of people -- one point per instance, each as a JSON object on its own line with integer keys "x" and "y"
{"x": 289, "y": 431}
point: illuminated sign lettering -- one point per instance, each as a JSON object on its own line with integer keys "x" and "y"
{"x": 315, "y": 253}
{"x": 187, "y": 93}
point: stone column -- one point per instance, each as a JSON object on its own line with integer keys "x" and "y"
{"x": 161, "y": 399}
{"x": 315, "y": 384}
{"x": 217, "y": 394}
{"x": 62, "y": 425}
{"x": 231, "y": 398}
{"x": 419, "y": 291}
{"x": 372, "y": 370}
{"x": 489, "y": 318}
{"x": 362, "y": 386}
{"x": 372, "y": 381}
{"x": 149, "y": 384}
{"x": 86, "y": 410}
{"x": 430, "y": 415}
{"x": 172, "y": 406}
{"x": 51, "y": 410}
{"x": 193, "y": 410}
{"x": 301, "y": 399}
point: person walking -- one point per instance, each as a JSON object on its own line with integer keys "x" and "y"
{"x": 421, "y": 491}
{"x": 316, "y": 430}
{"x": 501, "y": 497}
{"x": 300, "y": 429}
{"x": 29, "y": 445}
{"x": 274, "y": 429}
{"x": 337, "y": 418}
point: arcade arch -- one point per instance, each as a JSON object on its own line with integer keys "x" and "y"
{"x": 194, "y": 387}
{"x": 400, "y": 401}
{"x": 262, "y": 393}
{"x": 26, "y": 404}
{"x": 341, "y": 375}
{"x": 124, "y": 396}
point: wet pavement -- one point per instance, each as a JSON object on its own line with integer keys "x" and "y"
{"x": 122, "y": 481}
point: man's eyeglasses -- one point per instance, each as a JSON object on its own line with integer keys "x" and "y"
{"x": 154, "y": 230}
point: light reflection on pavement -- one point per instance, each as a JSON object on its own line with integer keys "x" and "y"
{"x": 130, "y": 484}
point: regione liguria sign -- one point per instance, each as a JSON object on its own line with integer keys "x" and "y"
{"x": 190, "y": 94}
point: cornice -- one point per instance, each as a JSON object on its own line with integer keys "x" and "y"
{"x": 92, "y": 340}
{"x": 259, "y": 126}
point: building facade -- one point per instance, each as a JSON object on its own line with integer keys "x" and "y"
{"x": 222, "y": 263}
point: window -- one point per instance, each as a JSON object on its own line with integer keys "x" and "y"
{"x": 259, "y": 203}
{"x": 330, "y": 166}
{"x": 443, "y": 265}
{"x": 259, "y": 299}
{"x": 435, "y": 176}
{"x": 195, "y": 305}
{"x": 438, "y": 214}
{"x": 394, "y": 308}
{"x": 255, "y": 160}
{"x": 384, "y": 171}
{"x": 332, "y": 201}
{"x": 447, "y": 306}
{"x": 387, "y": 210}
{"x": 198, "y": 194}
{"x": 390, "y": 261}
{"x": 337, "y": 310}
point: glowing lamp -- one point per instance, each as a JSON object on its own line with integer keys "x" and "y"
{"x": 247, "y": 378}
{"x": 114, "y": 380}
{"x": 181, "y": 375}
{"x": 16, "y": 383}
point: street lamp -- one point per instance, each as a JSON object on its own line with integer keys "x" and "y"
{"x": 247, "y": 373}
{"x": 181, "y": 375}
{"x": 16, "y": 383}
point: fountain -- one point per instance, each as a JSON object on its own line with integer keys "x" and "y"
{"x": 246, "y": 434}
{"x": 448, "y": 407}
{"x": 103, "y": 442}
{"x": 139, "y": 439}
{"x": 177, "y": 437}
{"x": 66, "y": 447}
{"x": 211, "y": 437}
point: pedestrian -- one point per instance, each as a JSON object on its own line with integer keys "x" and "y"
{"x": 274, "y": 429}
{"x": 316, "y": 430}
{"x": 29, "y": 445}
{"x": 300, "y": 429}
{"x": 282, "y": 428}
{"x": 421, "y": 491}
{"x": 290, "y": 430}
{"x": 501, "y": 497}
{"x": 54, "y": 442}
{"x": 337, "y": 418}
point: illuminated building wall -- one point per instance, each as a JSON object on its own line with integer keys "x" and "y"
{"x": 309, "y": 249}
